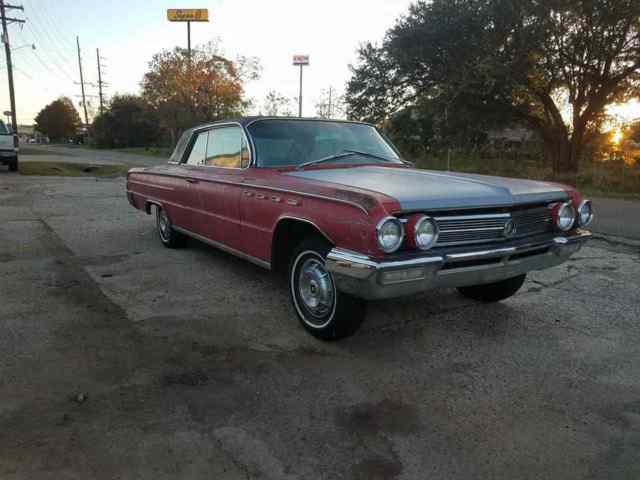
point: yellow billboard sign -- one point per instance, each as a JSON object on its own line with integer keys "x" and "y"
{"x": 188, "y": 15}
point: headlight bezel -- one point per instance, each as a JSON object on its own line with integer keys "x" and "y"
{"x": 572, "y": 217}
{"x": 584, "y": 204}
{"x": 400, "y": 240}
{"x": 436, "y": 232}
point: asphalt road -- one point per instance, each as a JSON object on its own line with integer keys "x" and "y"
{"x": 122, "y": 359}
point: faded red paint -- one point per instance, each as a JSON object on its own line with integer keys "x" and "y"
{"x": 242, "y": 208}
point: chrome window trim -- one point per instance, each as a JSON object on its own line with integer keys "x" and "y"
{"x": 207, "y": 128}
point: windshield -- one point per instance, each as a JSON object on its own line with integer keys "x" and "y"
{"x": 296, "y": 142}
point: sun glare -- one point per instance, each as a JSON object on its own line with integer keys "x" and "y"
{"x": 617, "y": 136}
{"x": 625, "y": 112}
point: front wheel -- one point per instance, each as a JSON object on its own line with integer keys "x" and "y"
{"x": 494, "y": 292}
{"x": 324, "y": 311}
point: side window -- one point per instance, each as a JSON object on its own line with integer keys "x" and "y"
{"x": 226, "y": 148}
{"x": 196, "y": 156}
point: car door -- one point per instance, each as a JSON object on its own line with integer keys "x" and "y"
{"x": 220, "y": 185}
{"x": 188, "y": 198}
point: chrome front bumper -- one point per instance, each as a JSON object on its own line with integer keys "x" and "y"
{"x": 364, "y": 277}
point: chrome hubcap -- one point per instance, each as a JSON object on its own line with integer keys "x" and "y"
{"x": 163, "y": 223}
{"x": 315, "y": 288}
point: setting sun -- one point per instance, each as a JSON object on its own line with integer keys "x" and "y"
{"x": 617, "y": 136}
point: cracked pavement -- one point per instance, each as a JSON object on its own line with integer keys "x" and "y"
{"x": 194, "y": 366}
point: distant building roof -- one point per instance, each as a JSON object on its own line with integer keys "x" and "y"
{"x": 518, "y": 134}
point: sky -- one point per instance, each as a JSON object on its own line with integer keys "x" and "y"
{"x": 128, "y": 33}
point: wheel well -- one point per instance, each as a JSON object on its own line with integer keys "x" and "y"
{"x": 147, "y": 206}
{"x": 288, "y": 234}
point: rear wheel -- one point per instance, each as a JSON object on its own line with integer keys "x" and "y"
{"x": 494, "y": 292}
{"x": 168, "y": 236}
{"x": 324, "y": 311}
{"x": 13, "y": 164}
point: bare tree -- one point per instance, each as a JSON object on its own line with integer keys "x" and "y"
{"x": 277, "y": 105}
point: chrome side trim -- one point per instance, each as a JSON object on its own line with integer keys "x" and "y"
{"x": 266, "y": 187}
{"x": 224, "y": 248}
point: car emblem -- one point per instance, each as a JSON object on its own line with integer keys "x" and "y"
{"x": 509, "y": 229}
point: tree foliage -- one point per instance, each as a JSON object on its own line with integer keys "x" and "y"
{"x": 128, "y": 121}
{"x": 59, "y": 120}
{"x": 186, "y": 90}
{"x": 505, "y": 60}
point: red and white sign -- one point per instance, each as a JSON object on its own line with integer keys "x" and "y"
{"x": 301, "y": 59}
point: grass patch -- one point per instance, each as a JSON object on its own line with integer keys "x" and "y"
{"x": 159, "y": 152}
{"x": 614, "y": 179}
{"x": 63, "y": 169}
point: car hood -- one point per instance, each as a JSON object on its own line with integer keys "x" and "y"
{"x": 435, "y": 190}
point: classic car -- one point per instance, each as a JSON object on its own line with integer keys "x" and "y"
{"x": 334, "y": 207}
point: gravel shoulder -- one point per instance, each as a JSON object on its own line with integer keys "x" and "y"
{"x": 122, "y": 359}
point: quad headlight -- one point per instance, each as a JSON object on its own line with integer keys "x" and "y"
{"x": 565, "y": 217}
{"x": 390, "y": 234}
{"x": 425, "y": 233}
{"x": 585, "y": 213}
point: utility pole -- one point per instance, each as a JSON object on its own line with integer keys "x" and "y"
{"x": 301, "y": 61}
{"x": 189, "y": 40}
{"x": 100, "y": 82}
{"x": 7, "y": 51}
{"x": 329, "y": 108}
{"x": 300, "y": 96}
{"x": 84, "y": 100}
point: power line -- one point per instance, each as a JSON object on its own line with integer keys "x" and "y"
{"x": 53, "y": 60}
{"x": 53, "y": 42}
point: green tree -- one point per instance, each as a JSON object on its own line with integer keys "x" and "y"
{"x": 127, "y": 122}
{"x": 59, "y": 120}
{"x": 186, "y": 90}
{"x": 504, "y": 60}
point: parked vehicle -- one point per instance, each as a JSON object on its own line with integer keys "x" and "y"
{"x": 9, "y": 147}
{"x": 332, "y": 205}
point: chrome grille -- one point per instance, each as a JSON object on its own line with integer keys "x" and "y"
{"x": 466, "y": 229}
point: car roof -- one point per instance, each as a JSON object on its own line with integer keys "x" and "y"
{"x": 246, "y": 121}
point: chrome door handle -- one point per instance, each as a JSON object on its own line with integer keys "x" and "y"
{"x": 192, "y": 180}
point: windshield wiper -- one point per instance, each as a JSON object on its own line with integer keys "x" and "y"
{"x": 346, "y": 153}
{"x": 325, "y": 159}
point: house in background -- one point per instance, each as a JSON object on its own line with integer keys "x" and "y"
{"x": 28, "y": 134}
